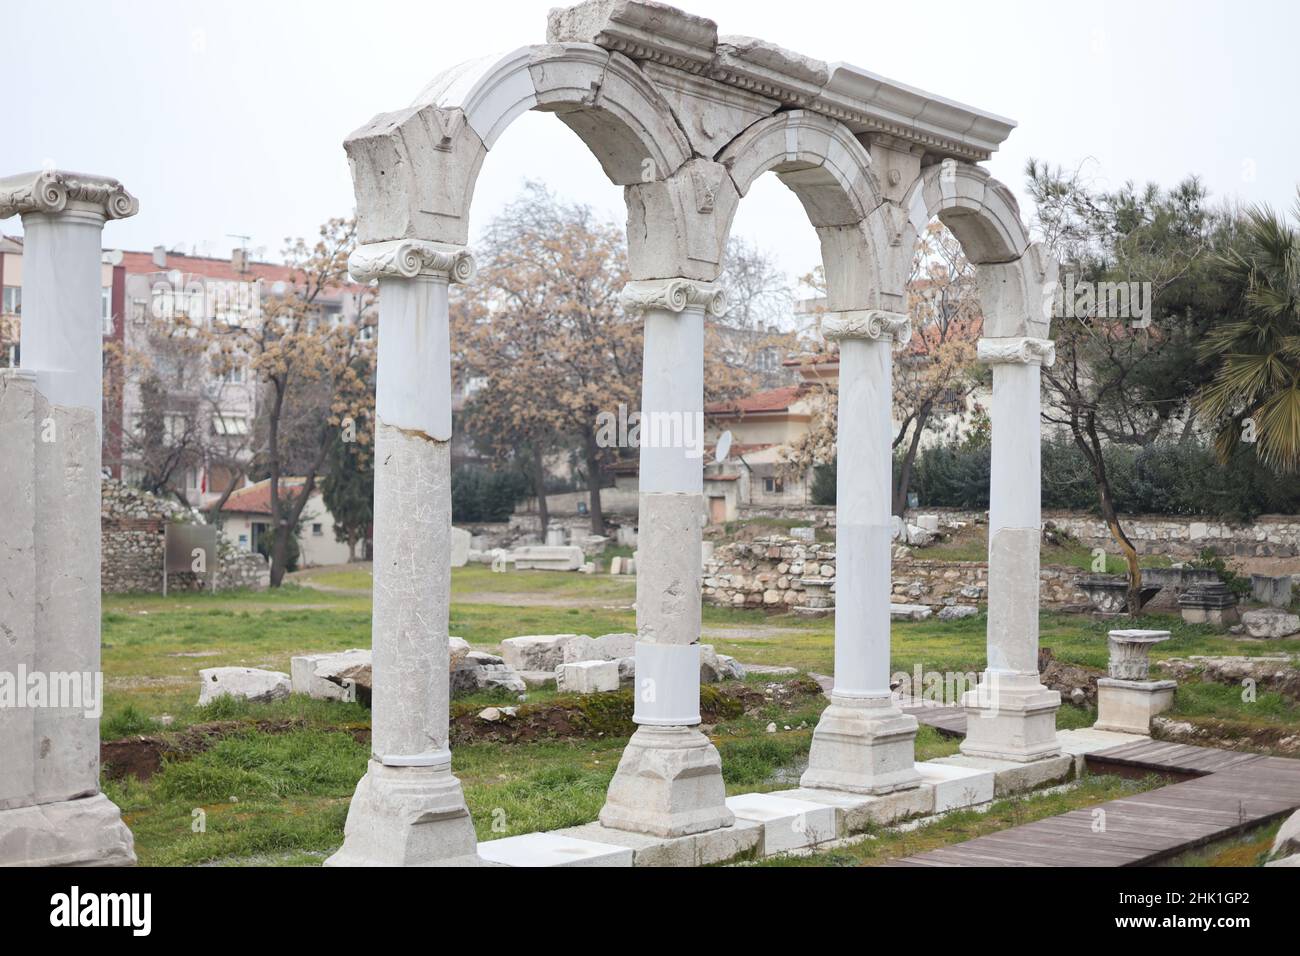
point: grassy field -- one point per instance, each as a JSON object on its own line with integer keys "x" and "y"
{"x": 270, "y": 783}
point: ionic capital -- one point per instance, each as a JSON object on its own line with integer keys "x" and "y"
{"x": 874, "y": 324}
{"x": 674, "y": 295}
{"x": 55, "y": 191}
{"x": 1016, "y": 351}
{"x": 408, "y": 258}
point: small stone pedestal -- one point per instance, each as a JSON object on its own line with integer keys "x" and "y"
{"x": 818, "y": 601}
{"x": 1127, "y": 699}
{"x": 1209, "y": 603}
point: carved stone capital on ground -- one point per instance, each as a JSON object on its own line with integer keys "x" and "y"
{"x": 868, "y": 324}
{"x": 674, "y": 295}
{"x": 1016, "y": 351}
{"x": 54, "y": 191}
{"x": 408, "y": 258}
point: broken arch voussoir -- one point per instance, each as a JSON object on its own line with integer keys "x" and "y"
{"x": 414, "y": 170}
{"x": 817, "y": 157}
{"x": 980, "y": 211}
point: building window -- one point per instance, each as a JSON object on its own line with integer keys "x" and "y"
{"x": 317, "y": 529}
{"x": 229, "y": 425}
{"x": 106, "y": 308}
{"x": 11, "y": 303}
{"x": 243, "y": 542}
{"x": 773, "y": 486}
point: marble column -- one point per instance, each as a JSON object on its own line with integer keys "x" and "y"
{"x": 51, "y": 810}
{"x": 1012, "y": 716}
{"x": 409, "y": 810}
{"x": 669, "y": 780}
{"x": 863, "y": 743}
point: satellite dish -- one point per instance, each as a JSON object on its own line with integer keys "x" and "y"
{"x": 113, "y": 257}
{"x": 724, "y": 447}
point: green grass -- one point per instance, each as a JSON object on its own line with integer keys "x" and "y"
{"x": 282, "y": 797}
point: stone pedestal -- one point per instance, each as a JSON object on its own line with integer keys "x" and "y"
{"x": 408, "y": 809}
{"x": 669, "y": 780}
{"x": 1126, "y": 699}
{"x": 818, "y": 599}
{"x": 51, "y": 811}
{"x": 1127, "y": 706}
{"x": 863, "y": 743}
{"x": 1209, "y": 603}
{"x": 1012, "y": 716}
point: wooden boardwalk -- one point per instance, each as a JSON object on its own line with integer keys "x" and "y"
{"x": 1232, "y": 792}
{"x": 948, "y": 719}
{"x": 1163, "y": 757}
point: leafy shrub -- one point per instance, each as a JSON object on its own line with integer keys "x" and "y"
{"x": 481, "y": 494}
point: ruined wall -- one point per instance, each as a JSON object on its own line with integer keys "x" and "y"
{"x": 1177, "y": 537}
{"x": 767, "y": 572}
{"x": 131, "y": 529}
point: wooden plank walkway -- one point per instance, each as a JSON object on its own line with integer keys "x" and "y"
{"x": 1234, "y": 792}
{"x": 1164, "y": 757}
{"x": 947, "y": 719}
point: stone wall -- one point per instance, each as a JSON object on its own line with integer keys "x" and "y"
{"x": 132, "y": 525}
{"x": 1266, "y": 536}
{"x": 767, "y": 572}
{"x": 1178, "y": 537}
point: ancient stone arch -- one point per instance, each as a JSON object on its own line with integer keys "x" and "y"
{"x": 686, "y": 121}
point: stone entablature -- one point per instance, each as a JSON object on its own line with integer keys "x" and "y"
{"x": 865, "y": 102}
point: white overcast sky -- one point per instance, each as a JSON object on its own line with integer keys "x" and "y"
{"x": 228, "y": 117}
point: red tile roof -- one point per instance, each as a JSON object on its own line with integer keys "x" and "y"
{"x": 774, "y": 400}
{"x": 256, "y": 498}
{"x": 141, "y": 263}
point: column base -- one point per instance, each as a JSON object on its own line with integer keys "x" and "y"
{"x": 407, "y": 816}
{"x": 863, "y": 746}
{"x": 87, "y": 831}
{"x": 1127, "y": 706}
{"x": 1011, "y": 717}
{"x": 668, "y": 784}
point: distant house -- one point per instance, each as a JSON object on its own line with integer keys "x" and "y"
{"x": 246, "y": 518}
{"x": 762, "y": 425}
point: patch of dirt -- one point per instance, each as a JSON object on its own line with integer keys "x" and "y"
{"x": 142, "y": 756}
{"x": 539, "y": 599}
{"x": 601, "y": 715}
{"x": 1065, "y": 678}
{"x": 589, "y": 716}
{"x": 1273, "y": 566}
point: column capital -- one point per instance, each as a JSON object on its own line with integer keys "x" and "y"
{"x": 1016, "y": 351}
{"x": 56, "y": 191}
{"x": 674, "y": 295}
{"x": 408, "y": 258}
{"x": 872, "y": 324}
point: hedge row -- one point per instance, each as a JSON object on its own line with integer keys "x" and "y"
{"x": 1162, "y": 479}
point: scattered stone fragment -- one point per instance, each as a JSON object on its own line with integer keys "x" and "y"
{"x": 249, "y": 683}
{"x": 1270, "y": 622}
{"x": 957, "y": 611}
